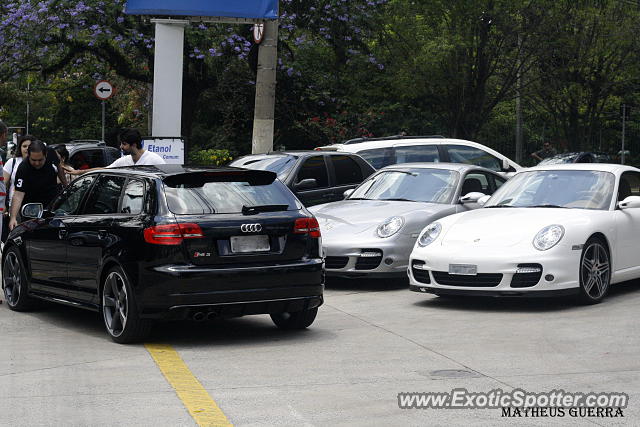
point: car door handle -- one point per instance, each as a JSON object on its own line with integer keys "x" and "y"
{"x": 328, "y": 195}
{"x": 102, "y": 234}
{"x": 62, "y": 234}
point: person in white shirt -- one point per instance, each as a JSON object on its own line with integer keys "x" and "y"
{"x": 130, "y": 143}
{"x": 11, "y": 167}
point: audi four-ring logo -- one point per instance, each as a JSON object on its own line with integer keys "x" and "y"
{"x": 250, "y": 228}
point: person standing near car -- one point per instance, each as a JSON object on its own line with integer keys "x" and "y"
{"x": 11, "y": 166}
{"x": 3, "y": 190}
{"x": 35, "y": 180}
{"x": 63, "y": 155}
{"x": 131, "y": 144}
{"x": 547, "y": 151}
{"x": 9, "y": 175}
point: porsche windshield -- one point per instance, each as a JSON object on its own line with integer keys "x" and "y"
{"x": 582, "y": 189}
{"x": 415, "y": 185}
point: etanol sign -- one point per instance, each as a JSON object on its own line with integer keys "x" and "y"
{"x": 170, "y": 149}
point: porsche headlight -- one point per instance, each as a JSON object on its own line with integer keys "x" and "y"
{"x": 548, "y": 237}
{"x": 429, "y": 234}
{"x": 390, "y": 226}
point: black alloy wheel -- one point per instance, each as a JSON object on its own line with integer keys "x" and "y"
{"x": 14, "y": 281}
{"x": 119, "y": 310}
{"x": 296, "y": 320}
{"x": 595, "y": 271}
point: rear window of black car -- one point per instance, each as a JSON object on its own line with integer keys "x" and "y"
{"x": 225, "y": 196}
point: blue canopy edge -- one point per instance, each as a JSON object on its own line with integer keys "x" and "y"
{"x": 250, "y": 9}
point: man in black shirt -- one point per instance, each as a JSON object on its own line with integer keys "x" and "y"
{"x": 35, "y": 180}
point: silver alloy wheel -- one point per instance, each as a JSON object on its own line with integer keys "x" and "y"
{"x": 12, "y": 278}
{"x": 115, "y": 304}
{"x": 595, "y": 270}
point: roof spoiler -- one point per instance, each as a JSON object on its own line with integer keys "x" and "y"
{"x": 199, "y": 178}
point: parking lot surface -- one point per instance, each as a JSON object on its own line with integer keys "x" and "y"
{"x": 371, "y": 341}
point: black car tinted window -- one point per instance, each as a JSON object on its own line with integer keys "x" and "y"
{"x": 133, "y": 198}
{"x": 69, "y": 201}
{"x": 223, "y": 197}
{"x": 346, "y": 169}
{"x": 87, "y": 159}
{"x": 112, "y": 154}
{"x": 105, "y": 195}
{"x": 314, "y": 167}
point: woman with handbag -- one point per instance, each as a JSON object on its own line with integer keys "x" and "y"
{"x": 9, "y": 173}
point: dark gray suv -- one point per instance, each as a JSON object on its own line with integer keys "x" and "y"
{"x": 88, "y": 153}
{"x": 315, "y": 177}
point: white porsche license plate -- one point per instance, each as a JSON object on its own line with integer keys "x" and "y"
{"x": 245, "y": 244}
{"x": 463, "y": 269}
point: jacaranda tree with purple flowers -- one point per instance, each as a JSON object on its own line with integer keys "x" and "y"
{"x": 94, "y": 39}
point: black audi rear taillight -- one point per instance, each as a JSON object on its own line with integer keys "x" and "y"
{"x": 308, "y": 226}
{"x": 172, "y": 234}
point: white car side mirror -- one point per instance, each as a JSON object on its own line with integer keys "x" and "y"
{"x": 630, "y": 202}
{"x": 347, "y": 193}
{"x": 483, "y": 200}
{"x": 472, "y": 197}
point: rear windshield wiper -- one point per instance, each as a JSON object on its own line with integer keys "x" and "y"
{"x": 248, "y": 210}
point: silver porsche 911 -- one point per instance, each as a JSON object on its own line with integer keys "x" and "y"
{"x": 372, "y": 232}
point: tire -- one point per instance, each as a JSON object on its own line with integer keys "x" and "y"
{"x": 15, "y": 283}
{"x": 119, "y": 309}
{"x": 595, "y": 271}
{"x": 296, "y": 320}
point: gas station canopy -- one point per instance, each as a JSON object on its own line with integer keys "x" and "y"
{"x": 249, "y": 9}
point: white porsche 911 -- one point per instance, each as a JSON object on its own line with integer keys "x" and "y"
{"x": 557, "y": 229}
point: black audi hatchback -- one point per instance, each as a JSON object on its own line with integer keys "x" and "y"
{"x": 146, "y": 243}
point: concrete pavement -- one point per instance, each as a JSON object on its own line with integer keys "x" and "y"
{"x": 371, "y": 340}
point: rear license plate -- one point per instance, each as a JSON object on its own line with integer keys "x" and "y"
{"x": 463, "y": 269}
{"x": 244, "y": 244}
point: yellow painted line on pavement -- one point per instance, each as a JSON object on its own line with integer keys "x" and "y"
{"x": 195, "y": 398}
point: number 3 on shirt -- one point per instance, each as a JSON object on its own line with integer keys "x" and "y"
{"x": 19, "y": 183}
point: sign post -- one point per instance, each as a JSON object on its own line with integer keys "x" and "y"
{"x": 265, "y": 99}
{"x": 169, "y": 51}
{"x": 103, "y": 90}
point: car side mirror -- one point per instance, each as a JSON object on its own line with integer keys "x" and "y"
{"x": 347, "y": 193}
{"x": 307, "y": 184}
{"x": 472, "y": 197}
{"x": 630, "y": 202}
{"x": 505, "y": 165}
{"x": 32, "y": 210}
{"x": 483, "y": 200}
